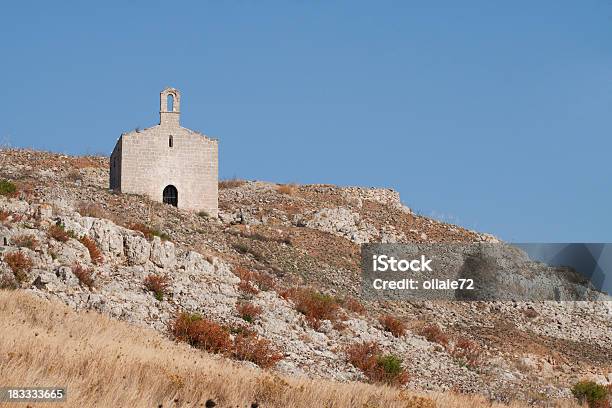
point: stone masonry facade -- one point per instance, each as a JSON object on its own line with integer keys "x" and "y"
{"x": 167, "y": 162}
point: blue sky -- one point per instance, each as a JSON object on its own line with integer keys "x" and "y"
{"x": 493, "y": 115}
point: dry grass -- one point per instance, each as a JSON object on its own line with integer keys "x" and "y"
{"x": 287, "y": 189}
{"x": 106, "y": 363}
{"x": 231, "y": 183}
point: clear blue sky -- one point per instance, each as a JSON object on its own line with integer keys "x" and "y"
{"x": 496, "y": 115}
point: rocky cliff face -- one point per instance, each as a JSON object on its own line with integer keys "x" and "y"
{"x": 267, "y": 241}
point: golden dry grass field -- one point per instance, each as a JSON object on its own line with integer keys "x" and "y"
{"x": 107, "y": 363}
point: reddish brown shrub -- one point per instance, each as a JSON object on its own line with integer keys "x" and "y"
{"x": 434, "y": 334}
{"x": 377, "y": 367}
{"x": 248, "y": 311}
{"x": 530, "y": 313}
{"x": 201, "y": 333}
{"x": 4, "y": 215}
{"x": 393, "y": 325}
{"x": 84, "y": 274}
{"x": 354, "y": 306}
{"x": 94, "y": 252}
{"x": 250, "y": 347}
{"x": 20, "y": 264}
{"x": 264, "y": 281}
{"x": 148, "y": 232}
{"x": 158, "y": 284}
{"x": 58, "y": 233}
{"x": 25, "y": 241}
{"x": 246, "y": 280}
{"x": 467, "y": 350}
{"x": 314, "y": 305}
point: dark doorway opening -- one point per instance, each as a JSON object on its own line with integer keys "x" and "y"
{"x": 171, "y": 195}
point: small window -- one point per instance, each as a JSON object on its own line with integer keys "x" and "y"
{"x": 170, "y": 141}
{"x": 170, "y": 103}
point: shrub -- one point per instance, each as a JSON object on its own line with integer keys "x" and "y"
{"x": 354, "y": 306}
{"x": 203, "y": 214}
{"x": 158, "y": 284}
{"x": 434, "y": 334}
{"x": 375, "y": 366}
{"x": 25, "y": 241}
{"x": 391, "y": 370}
{"x": 7, "y": 188}
{"x": 246, "y": 277}
{"x": 314, "y": 305}
{"x": 94, "y": 252}
{"x": 467, "y": 351}
{"x": 249, "y": 347}
{"x": 231, "y": 183}
{"x": 4, "y": 215}
{"x": 248, "y": 311}
{"x": 595, "y": 395}
{"x": 393, "y": 325}
{"x": 84, "y": 274}
{"x": 288, "y": 189}
{"x": 148, "y": 232}
{"x": 20, "y": 264}
{"x": 58, "y": 232}
{"x": 201, "y": 333}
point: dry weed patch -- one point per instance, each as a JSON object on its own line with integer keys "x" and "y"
{"x": 376, "y": 366}
{"x": 84, "y": 274}
{"x": 315, "y": 306}
{"x": 393, "y": 325}
{"x": 25, "y": 241}
{"x": 434, "y": 334}
{"x": 20, "y": 264}
{"x": 94, "y": 252}
{"x": 158, "y": 284}
{"x": 59, "y": 233}
{"x": 248, "y": 311}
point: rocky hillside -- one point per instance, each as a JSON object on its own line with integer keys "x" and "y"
{"x": 278, "y": 272}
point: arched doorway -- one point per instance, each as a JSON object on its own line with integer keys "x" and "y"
{"x": 170, "y": 195}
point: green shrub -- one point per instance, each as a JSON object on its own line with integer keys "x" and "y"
{"x": 590, "y": 392}
{"x": 7, "y": 188}
{"x": 391, "y": 365}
